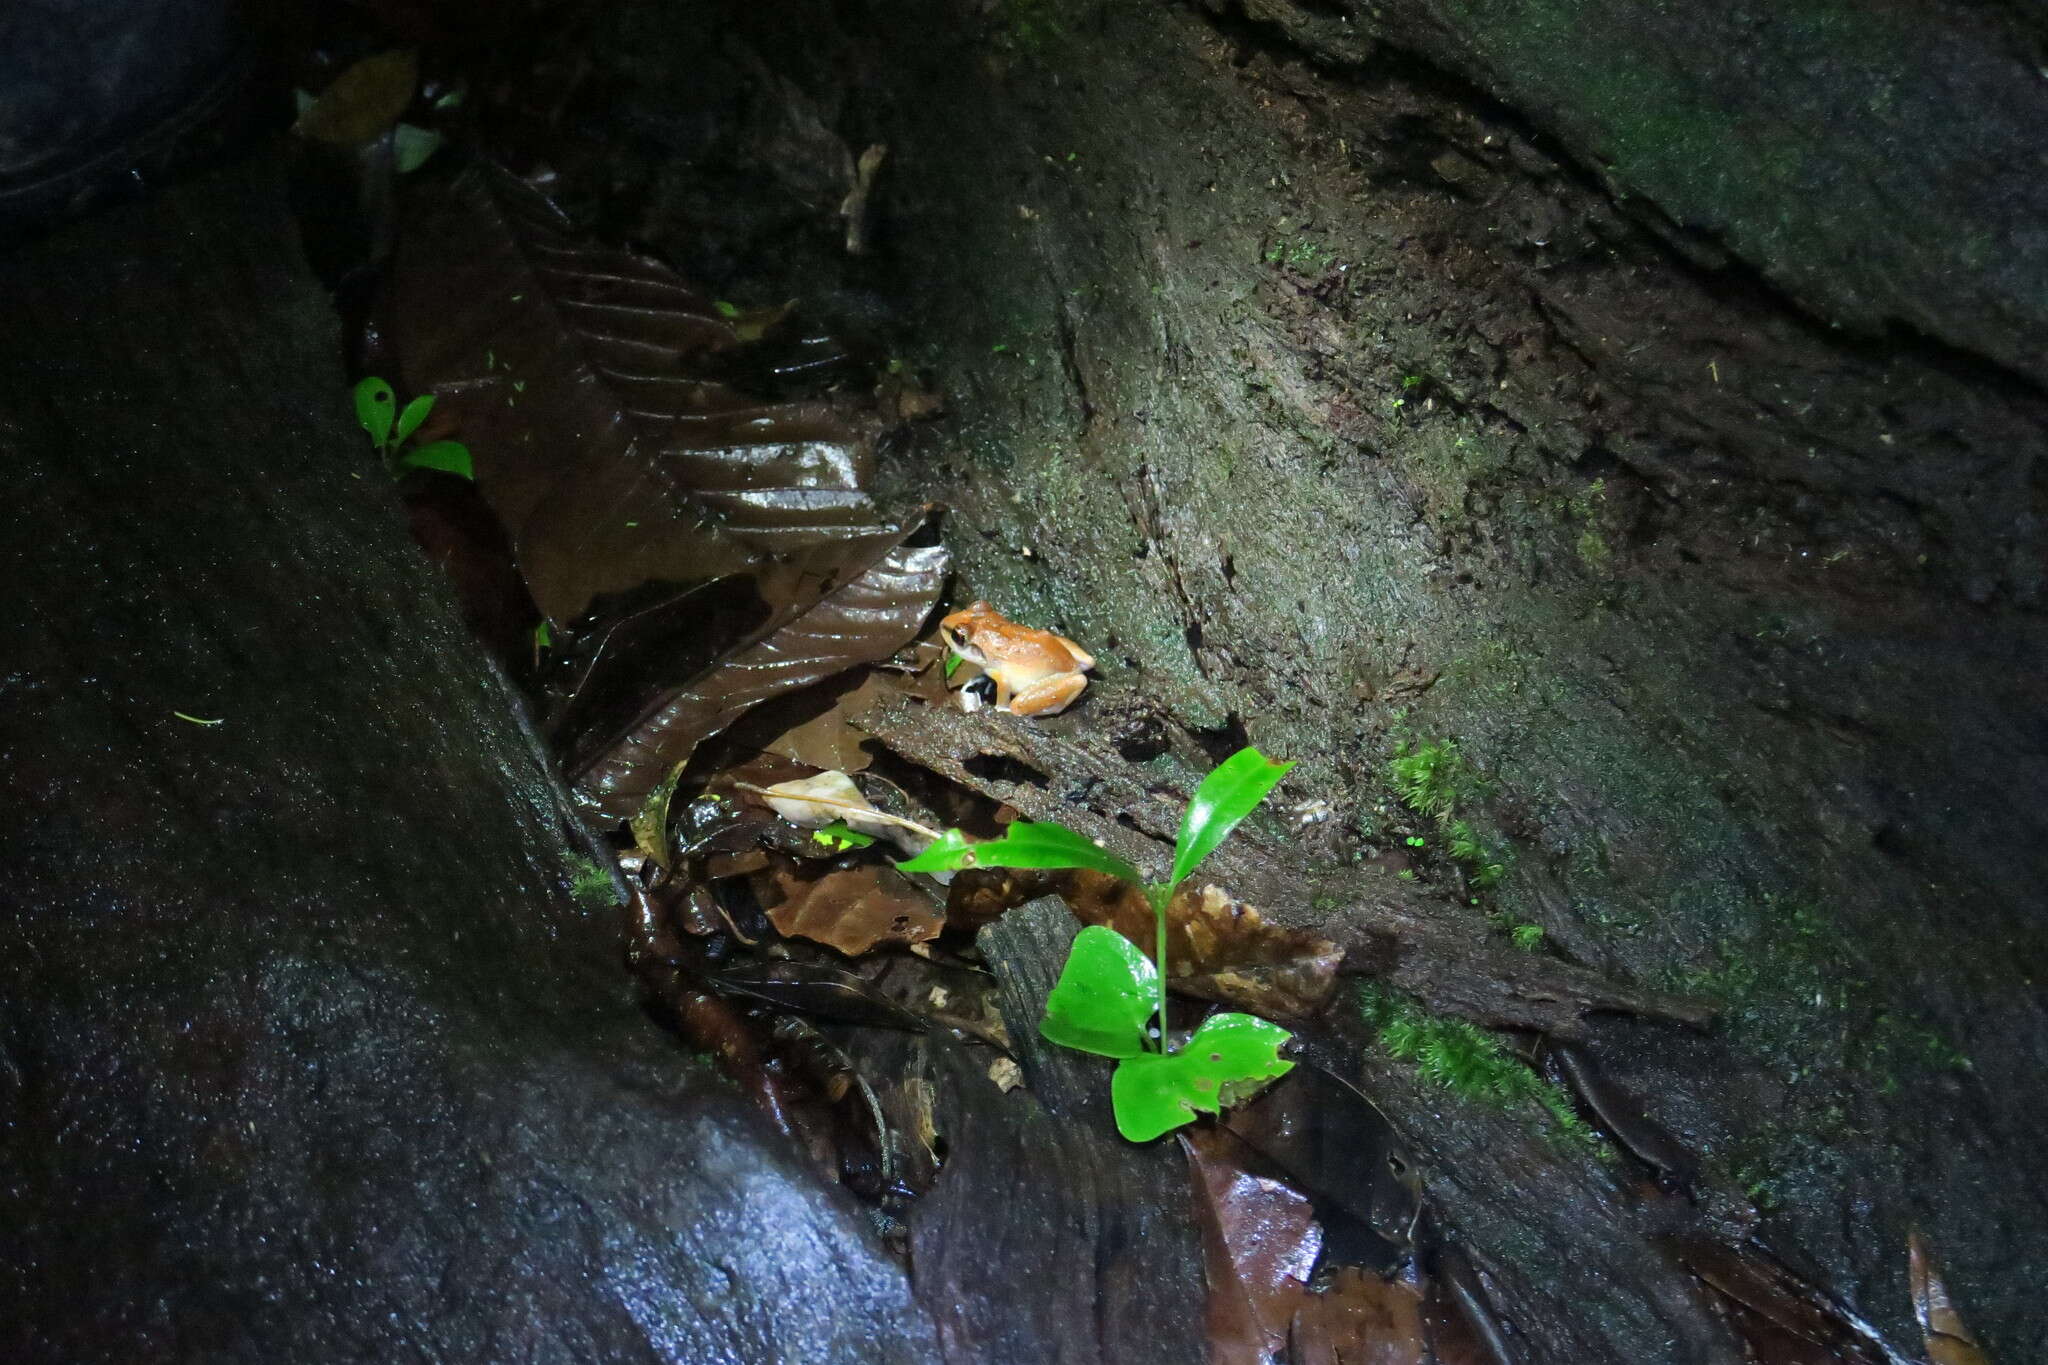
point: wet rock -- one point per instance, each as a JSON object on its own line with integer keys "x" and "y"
{"x": 305, "y": 1050}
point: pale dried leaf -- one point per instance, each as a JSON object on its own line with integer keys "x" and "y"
{"x": 1949, "y": 1342}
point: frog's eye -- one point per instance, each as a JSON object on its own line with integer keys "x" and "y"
{"x": 957, "y": 635}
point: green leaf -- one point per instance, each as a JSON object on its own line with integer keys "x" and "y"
{"x": 839, "y": 834}
{"x": 1025, "y": 845}
{"x": 1230, "y": 1056}
{"x": 415, "y": 413}
{"x": 950, "y": 853}
{"x": 1105, "y": 994}
{"x": 450, "y": 457}
{"x": 412, "y": 146}
{"x": 1225, "y": 797}
{"x": 374, "y": 405}
{"x": 953, "y": 662}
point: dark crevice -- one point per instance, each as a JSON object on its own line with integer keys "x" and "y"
{"x": 1004, "y": 768}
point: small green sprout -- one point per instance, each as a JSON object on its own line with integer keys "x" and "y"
{"x": 840, "y": 836}
{"x": 390, "y": 428}
{"x": 1108, "y": 989}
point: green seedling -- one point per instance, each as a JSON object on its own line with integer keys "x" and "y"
{"x": 391, "y": 427}
{"x": 1109, "y": 992}
{"x": 840, "y": 836}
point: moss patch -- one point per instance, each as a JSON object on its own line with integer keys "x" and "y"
{"x": 1466, "y": 1060}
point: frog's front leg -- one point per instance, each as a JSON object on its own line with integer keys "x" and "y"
{"x": 1046, "y": 697}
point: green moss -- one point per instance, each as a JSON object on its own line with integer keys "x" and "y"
{"x": 590, "y": 884}
{"x": 1298, "y": 254}
{"x": 1466, "y": 1060}
{"x": 1449, "y": 458}
{"x": 1482, "y": 864}
{"x": 1434, "y": 780}
{"x": 1593, "y": 550}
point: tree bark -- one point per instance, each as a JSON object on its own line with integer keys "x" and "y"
{"x": 1349, "y": 378}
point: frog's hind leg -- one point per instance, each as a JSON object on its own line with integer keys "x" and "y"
{"x": 1048, "y": 697}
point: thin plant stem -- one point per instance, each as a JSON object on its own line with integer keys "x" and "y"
{"x": 834, "y": 803}
{"x": 1158, "y": 896}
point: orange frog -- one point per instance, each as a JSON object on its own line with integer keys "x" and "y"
{"x": 1036, "y": 672}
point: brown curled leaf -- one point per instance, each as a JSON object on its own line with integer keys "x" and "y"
{"x": 589, "y": 384}
{"x": 867, "y": 619}
{"x": 1217, "y": 947}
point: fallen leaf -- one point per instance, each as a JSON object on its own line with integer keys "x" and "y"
{"x": 1361, "y": 1319}
{"x": 1259, "y": 1243}
{"x": 867, "y": 619}
{"x": 1218, "y": 948}
{"x": 582, "y": 379}
{"x": 1006, "y": 1074}
{"x": 826, "y": 740}
{"x": 1331, "y": 1141}
{"x": 1781, "y": 1300}
{"x": 1949, "y": 1342}
{"x": 853, "y": 908}
{"x": 812, "y": 988}
{"x": 814, "y": 802}
{"x": 829, "y": 797}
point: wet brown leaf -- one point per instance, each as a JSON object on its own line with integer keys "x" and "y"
{"x": 867, "y": 619}
{"x": 853, "y": 908}
{"x": 826, "y": 740}
{"x": 582, "y": 379}
{"x": 1259, "y": 1243}
{"x": 826, "y": 992}
{"x": 1949, "y": 1342}
{"x": 1361, "y": 1319}
{"x": 1780, "y": 1300}
{"x": 1330, "y": 1140}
